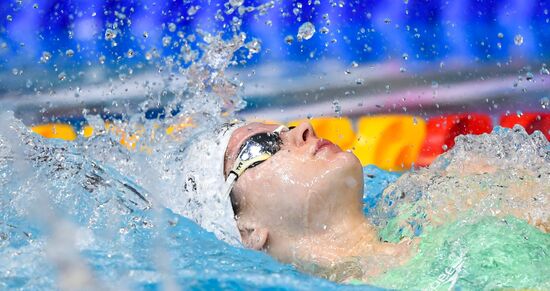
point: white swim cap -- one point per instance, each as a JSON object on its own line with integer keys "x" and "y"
{"x": 205, "y": 202}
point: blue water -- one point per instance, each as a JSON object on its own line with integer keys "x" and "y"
{"x": 103, "y": 236}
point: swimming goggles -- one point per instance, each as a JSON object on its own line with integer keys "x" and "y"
{"x": 255, "y": 150}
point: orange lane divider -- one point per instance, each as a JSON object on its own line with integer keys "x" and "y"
{"x": 391, "y": 142}
{"x": 530, "y": 121}
{"x": 87, "y": 131}
{"x": 129, "y": 140}
{"x": 55, "y": 130}
{"x": 338, "y": 130}
{"x": 443, "y": 130}
{"x": 179, "y": 127}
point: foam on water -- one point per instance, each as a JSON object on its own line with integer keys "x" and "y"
{"x": 507, "y": 171}
{"x": 465, "y": 209}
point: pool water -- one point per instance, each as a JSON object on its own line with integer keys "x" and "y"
{"x": 70, "y": 221}
{"x": 81, "y": 214}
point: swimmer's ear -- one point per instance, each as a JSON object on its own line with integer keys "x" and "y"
{"x": 254, "y": 238}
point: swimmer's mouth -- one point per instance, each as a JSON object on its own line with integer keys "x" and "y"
{"x": 323, "y": 143}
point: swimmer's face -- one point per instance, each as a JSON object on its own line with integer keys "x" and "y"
{"x": 301, "y": 190}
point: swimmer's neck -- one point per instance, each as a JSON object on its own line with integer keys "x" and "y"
{"x": 353, "y": 239}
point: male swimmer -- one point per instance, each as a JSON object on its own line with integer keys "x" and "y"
{"x": 299, "y": 198}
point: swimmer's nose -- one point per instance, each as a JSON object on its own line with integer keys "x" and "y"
{"x": 302, "y": 133}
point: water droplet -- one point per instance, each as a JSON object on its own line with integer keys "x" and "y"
{"x": 130, "y": 53}
{"x": 500, "y": 35}
{"x": 46, "y": 57}
{"x": 402, "y": 69}
{"x": 62, "y": 76}
{"x": 387, "y": 20}
{"x": 35, "y": 6}
{"x": 518, "y": 39}
{"x": 172, "y": 27}
{"x": 435, "y": 84}
{"x": 445, "y": 147}
{"x": 545, "y": 102}
{"x": 529, "y": 77}
{"x": 9, "y": 18}
{"x": 354, "y": 64}
{"x": 166, "y": 40}
{"x": 145, "y": 34}
{"x": 405, "y": 56}
{"x": 519, "y": 113}
{"x": 289, "y": 39}
{"x": 69, "y": 53}
{"x": 324, "y": 30}
{"x": 193, "y": 10}
{"x": 102, "y": 59}
{"x": 337, "y": 108}
{"x": 253, "y": 47}
{"x": 110, "y": 34}
{"x": 359, "y": 81}
{"x": 15, "y": 71}
{"x": 306, "y": 31}
{"x": 544, "y": 70}
{"x": 236, "y": 3}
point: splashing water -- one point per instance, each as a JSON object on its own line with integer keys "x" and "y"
{"x": 95, "y": 213}
{"x": 507, "y": 171}
{"x": 461, "y": 208}
{"x": 306, "y": 31}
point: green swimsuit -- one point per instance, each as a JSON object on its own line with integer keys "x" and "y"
{"x": 487, "y": 253}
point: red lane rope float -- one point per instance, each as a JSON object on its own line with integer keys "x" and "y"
{"x": 442, "y": 131}
{"x": 530, "y": 121}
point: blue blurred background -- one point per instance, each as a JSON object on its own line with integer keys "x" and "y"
{"x": 365, "y": 56}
